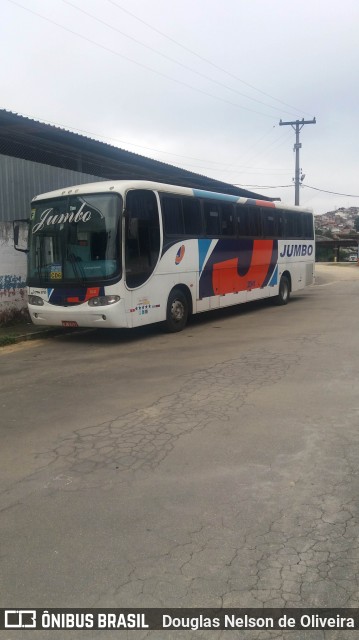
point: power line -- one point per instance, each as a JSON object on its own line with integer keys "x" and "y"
{"x": 274, "y": 145}
{"x": 306, "y": 186}
{"x": 335, "y": 193}
{"x": 246, "y": 170}
{"x": 163, "y": 55}
{"x": 263, "y": 186}
{"x": 202, "y": 57}
{"x": 144, "y": 66}
{"x": 139, "y": 64}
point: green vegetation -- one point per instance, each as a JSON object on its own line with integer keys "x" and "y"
{"x": 6, "y": 340}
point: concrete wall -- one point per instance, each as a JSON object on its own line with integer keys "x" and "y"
{"x": 12, "y": 276}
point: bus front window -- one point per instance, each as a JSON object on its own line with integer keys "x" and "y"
{"x": 75, "y": 239}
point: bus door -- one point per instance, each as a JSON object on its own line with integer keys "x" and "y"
{"x": 142, "y": 251}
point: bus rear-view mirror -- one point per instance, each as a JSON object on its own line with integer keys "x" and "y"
{"x": 21, "y": 234}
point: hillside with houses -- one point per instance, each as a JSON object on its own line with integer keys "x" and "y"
{"x": 342, "y": 221}
{"x": 337, "y": 235}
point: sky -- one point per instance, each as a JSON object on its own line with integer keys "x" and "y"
{"x": 200, "y": 85}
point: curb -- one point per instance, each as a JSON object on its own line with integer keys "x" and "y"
{"x": 9, "y": 339}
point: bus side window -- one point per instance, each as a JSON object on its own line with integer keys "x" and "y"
{"x": 242, "y": 219}
{"x": 299, "y": 230}
{"x": 172, "y": 215}
{"x": 308, "y": 226}
{"x": 295, "y": 224}
{"x": 227, "y": 220}
{"x": 254, "y": 222}
{"x": 211, "y": 216}
{"x": 289, "y": 224}
{"x": 181, "y": 216}
{"x": 281, "y": 224}
{"x": 269, "y": 222}
{"x": 192, "y": 217}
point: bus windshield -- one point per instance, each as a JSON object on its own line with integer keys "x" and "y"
{"x": 75, "y": 239}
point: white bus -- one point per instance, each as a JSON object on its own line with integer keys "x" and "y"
{"x": 130, "y": 253}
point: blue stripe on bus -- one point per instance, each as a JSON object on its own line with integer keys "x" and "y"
{"x": 214, "y": 196}
{"x": 203, "y": 246}
{"x": 274, "y": 278}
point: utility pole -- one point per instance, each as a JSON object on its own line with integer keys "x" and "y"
{"x": 297, "y": 125}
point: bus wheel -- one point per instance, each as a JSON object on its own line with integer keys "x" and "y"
{"x": 177, "y": 311}
{"x": 284, "y": 291}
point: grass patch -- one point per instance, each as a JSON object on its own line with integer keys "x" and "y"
{"x": 6, "y": 340}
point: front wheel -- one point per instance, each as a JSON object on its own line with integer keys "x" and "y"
{"x": 284, "y": 291}
{"x": 177, "y": 311}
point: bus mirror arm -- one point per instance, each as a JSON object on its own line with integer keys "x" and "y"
{"x": 17, "y": 225}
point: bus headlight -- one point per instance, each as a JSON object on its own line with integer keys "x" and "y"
{"x": 36, "y": 300}
{"x": 102, "y": 301}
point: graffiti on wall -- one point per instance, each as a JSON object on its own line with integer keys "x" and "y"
{"x": 12, "y": 277}
{"x": 12, "y": 298}
{"x": 12, "y": 286}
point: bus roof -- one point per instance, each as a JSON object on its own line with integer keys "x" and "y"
{"x": 122, "y": 186}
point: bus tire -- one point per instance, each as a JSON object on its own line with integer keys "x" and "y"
{"x": 177, "y": 311}
{"x": 284, "y": 291}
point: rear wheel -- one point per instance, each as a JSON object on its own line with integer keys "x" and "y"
{"x": 177, "y": 311}
{"x": 284, "y": 291}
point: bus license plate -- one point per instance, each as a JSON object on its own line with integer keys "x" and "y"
{"x": 69, "y": 323}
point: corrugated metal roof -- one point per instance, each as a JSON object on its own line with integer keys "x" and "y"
{"x": 23, "y": 137}
{"x": 21, "y": 180}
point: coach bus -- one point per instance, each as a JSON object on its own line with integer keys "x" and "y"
{"x": 130, "y": 253}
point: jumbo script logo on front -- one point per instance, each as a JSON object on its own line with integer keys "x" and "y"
{"x": 60, "y": 218}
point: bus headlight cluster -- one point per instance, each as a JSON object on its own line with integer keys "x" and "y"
{"x": 36, "y": 300}
{"x": 101, "y": 301}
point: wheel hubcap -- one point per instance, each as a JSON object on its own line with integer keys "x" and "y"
{"x": 177, "y": 310}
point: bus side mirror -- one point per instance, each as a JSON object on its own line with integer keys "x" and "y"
{"x": 21, "y": 234}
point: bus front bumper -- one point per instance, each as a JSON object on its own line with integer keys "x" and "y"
{"x": 82, "y": 315}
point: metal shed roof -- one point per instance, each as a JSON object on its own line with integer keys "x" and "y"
{"x": 22, "y": 137}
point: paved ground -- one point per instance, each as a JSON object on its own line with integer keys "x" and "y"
{"x": 216, "y": 467}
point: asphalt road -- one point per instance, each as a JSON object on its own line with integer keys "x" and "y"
{"x": 215, "y": 467}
